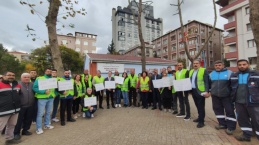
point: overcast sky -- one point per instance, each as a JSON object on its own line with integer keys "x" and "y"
{"x": 15, "y": 17}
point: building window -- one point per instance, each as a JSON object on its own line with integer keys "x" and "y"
{"x": 93, "y": 43}
{"x": 64, "y": 42}
{"x": 121, "y": 14}
{"x": 120, "y": 33}
{"x": 251, "y": 43}
{"x": 77, "y": 49}
{"x": 248, "y": 26}
{"x": 121, "y": 23}
{"x": 129, "y": 35}
{"x": 94, "y": 36}
{"x": 77, "y": 41}
{"x": 165, "y": 41}
{"x": 85, "y": 43}
{"x": 121, "y": 38}
{"x": 173, "y": 38}
{"x": 247, "y": 10}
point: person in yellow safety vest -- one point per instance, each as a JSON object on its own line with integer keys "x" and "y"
{"x": 182, "y": 73}
{"x": 200, "y": 90}
{"x": 125, "y": 89}
{"x": 132, "y": 90}
{"x": 166, "y": 96}
{"x": 99, "y": 94}
{"x": 66, "y": 100}
{"x": 86, "y": 73}
{"x": 87, "y": 83}
{"x": 45, "y": 102}
{"x": 144, "y": 86}
{"x": 88, "y": 110}
{"x": 117, "y": 94}
{"x": 80, "y": 92}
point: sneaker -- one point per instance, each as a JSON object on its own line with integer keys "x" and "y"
{"x": 119, "y": 105}
{"x": 180, "y": 115}
{"x": 92, "y": 115}
{"x": 78, "y": 114}
{"x": 39, "y": 131}
{"x": 187, "y": 118}
{"x": 218, "y": 127}
{"x": 55, "y": 119}
{"x": 75, "y": 116}
{"x": 83, "y": 115}
{"x": 33, "y": 122}
{"x": 229, "y": 132}
{"x": 12, "y": 141}
{"x": 243, "y": 138}
{"x": 169, "y": 110}
{"x": 175, "y": 112}
{"x": 48, "y": 127}
{"x": 165, "y": 110}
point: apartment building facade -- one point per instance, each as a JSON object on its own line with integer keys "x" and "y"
{"x": 136, "y": 50}
{"x": 20, "y": 55}
{"x": 81, "y": 42}
{"x": 125, "y": 31}
{"x": 171, "y": 47}
{"x": 239, "y": 42}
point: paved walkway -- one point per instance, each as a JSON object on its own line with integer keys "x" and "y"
{"x": 135, "y": 126}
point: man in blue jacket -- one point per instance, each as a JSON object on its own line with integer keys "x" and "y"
{"x": 221, "y": 100}
{"x": 245, "y": 93}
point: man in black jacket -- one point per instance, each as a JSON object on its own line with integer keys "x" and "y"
{"x": 156, "y": 94}
{"x": 245, "y": 94}
{"x": 9, "y": 106}
{"x": 109, "y": 92}
{"x": 27, "y": 101}
{"x": 221, "y": 100}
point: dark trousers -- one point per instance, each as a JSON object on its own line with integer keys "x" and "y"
{"x": 24, "y": 119}
{"x": 132, "y": 94}
{"x": 109, "y": 96}
{"x": 167, "y": 103}
{"x": 156, "y": 98}
{"x": 65, "y": 104}
{"x": 76, "y": 103}
{"x": 144, "y": 96}
{"x": 200, "y": 105}
{"x": 99, "y": 95}
{"x": 35, "y": 110}
{"x": 244, "y": 114}
{"x": 150, "y": 98}
{"x": 184, "y": 102}
{"x": 55, "y": 106}
{"x": 174, "y": 102}
{"x": 222, "y": 106}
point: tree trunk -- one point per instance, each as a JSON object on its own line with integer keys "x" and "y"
{"x": 142, "y": 42}
{"x": 51, "y": 22}
{"x": 254, "y": 20}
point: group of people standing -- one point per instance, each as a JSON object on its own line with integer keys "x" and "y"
{"x": 232, "y": 93}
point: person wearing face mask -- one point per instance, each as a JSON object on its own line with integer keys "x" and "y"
{"x": 10, "y": 105}
{"x": 66, "y": 100}
{"x": 45, "y": 102}
{"x": 245, "y": 94}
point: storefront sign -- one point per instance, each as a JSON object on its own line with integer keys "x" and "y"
{"x": 105, "y": 67}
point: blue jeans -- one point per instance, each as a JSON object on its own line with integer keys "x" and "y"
{"x": 55, "y": 106}
{"x": 118, "y": 96}
{"x": 42, "y": 105}
{"x": 125, "y": 95}
{"x": 89, "y": 113}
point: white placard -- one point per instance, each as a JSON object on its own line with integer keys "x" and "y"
{"x": 109, "y": 84}
{"x": 99, "y": 87}
{"x": 119, "y": 80}
{"x": 65, "y": 85}
{"x": 46, "y": 84}
{"x": 167, "y": 81}
{"x": 90, "y": 101}
{"x": 182, "y": 85}
{"x": 106, "y": 67}
{"x": 158, "y": 83}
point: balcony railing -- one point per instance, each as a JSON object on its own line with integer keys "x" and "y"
{"x": 230, "y": 25}
{"x": 230, "y": 39}
{"x": 231, "y": 5}
{"x": 231, "y": 55}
